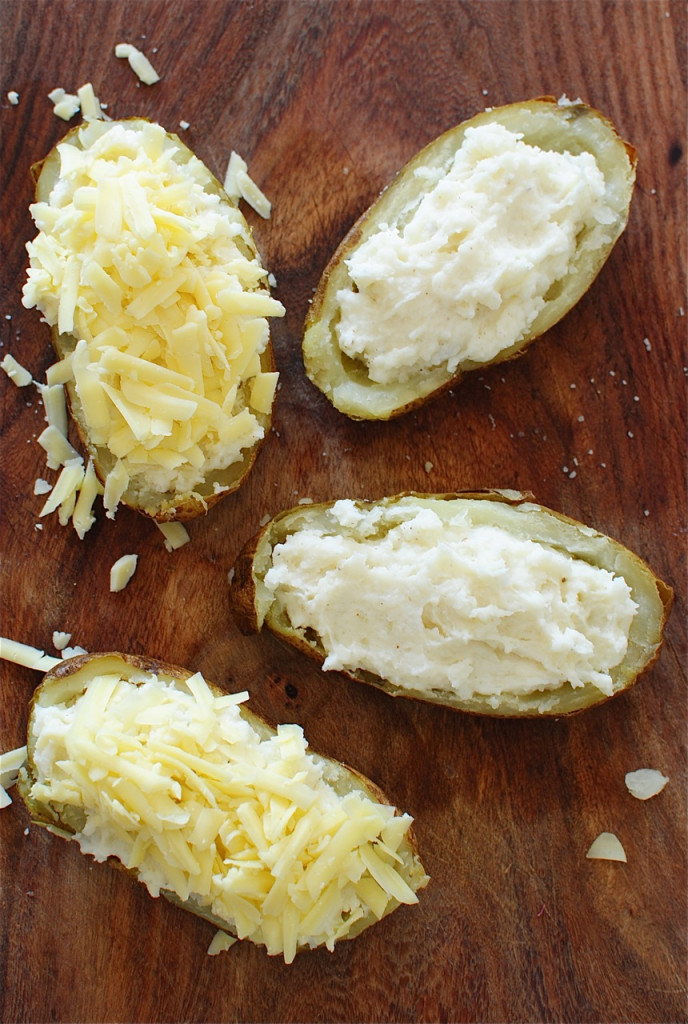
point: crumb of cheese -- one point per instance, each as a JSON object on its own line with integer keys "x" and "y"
{"x": 18, "y": 374}
{"x": 122, "y": 571}
{"x": 138, "y": 62}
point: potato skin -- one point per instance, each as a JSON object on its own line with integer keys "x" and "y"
{"x": 251, "y": 606}
{"x": 544, "y": 122}
{"x": 341, "y": 776}
{"x": 161, "y": 507}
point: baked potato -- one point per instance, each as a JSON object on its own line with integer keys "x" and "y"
{"x": 145, "y": 764}
{"x": 482, "y": 242}
{"x": 150, "y": 279}
{"x": 481, "y": 601}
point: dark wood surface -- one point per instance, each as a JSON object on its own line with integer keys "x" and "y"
{"x": 326, "y": 101}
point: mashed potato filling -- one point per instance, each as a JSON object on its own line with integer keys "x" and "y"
{"x": 451, "y": 606}
{"x": 466, "y": 274}
{"x": 247, "y": 827}
{"x": 139, "y": 258}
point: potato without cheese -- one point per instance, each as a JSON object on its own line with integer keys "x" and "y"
{"x": 485, "y": 602}
{"x": 480, "y": 244}
{"x": 149, "y": 277}
{"x": 147, "y": 765}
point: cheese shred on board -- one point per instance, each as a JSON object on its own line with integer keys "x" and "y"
{"x": 153, "y": 277}
{"x": 240, "y": 825}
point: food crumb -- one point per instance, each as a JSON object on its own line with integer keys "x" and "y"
{"x": 428, "y": 466}
{"x": 184, "y": 125}
{"x": 138, "y": 63}
{"x": 13, "y": 97}
{"x": 60, "y": 639}
{"x": 644, "y": 783}
{"x": 646, "y": 343}
{"x": 607, "y": 847}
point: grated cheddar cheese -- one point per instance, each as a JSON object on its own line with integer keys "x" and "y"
{"x": 240, "y": 825}
{"x": 157, "y": 280}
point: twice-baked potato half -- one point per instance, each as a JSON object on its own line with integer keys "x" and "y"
{"x": 158, "y": 302}
{"x": 485, "y": 602}
{"x": 482, "y": 242}
{"x": 149, "y": 766}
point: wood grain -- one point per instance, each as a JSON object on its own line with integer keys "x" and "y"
{"x": 326, "y": 100}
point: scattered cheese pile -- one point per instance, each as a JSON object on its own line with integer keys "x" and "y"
{"x": 459, "y": 606}
{"x": 467, "y": 273}
{"x": 66, "y": 105}
{"x": 178, "y": 785}
{"x": 155, "y": 277}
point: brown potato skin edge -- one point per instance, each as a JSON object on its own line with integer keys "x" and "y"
{"x": 176, "y": 672}
{"x": 242, "y": 602}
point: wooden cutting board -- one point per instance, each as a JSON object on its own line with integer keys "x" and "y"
{"x": 326, "y": 100}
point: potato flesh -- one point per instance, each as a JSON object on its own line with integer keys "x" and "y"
{"x": 255, "y": 606}
{"x": 552, "y": 126}
{"x": 469, "y": 609}
{"x": 239, "y": 824}
{"x": 464, "y": 275}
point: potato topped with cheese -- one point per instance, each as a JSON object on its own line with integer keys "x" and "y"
{"x": 159, "y": 304}
{"x": 242, "y": 824}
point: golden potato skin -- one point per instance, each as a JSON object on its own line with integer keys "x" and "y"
{"x": 252, "y": 607}
{"x": 545, "y": 123}
{"x": 161, "y": 508}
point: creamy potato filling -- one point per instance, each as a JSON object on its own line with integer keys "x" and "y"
{"x": 141, "y": 261}
{"x": 465, "y": 277}
{"x": 453, "y": 606}
{"x": 184, "y": 790}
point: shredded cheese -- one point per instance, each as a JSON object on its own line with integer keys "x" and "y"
{"x": 176, "y": 535}
{"x": 65, "y": 104}
{"x": 10, "y": 763}
{"x": 221, "y": 941}
{"x": 181, "y": 788}
{"x": 24, "y": 654}
{"x": 607, "y": 846}
{"x": 61, "y": 639}
{"x": 17, "y": 373}
{"x": 122, "y": 571}
{"x": 138, "y": 62}
{"x": 239, "y": 185}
